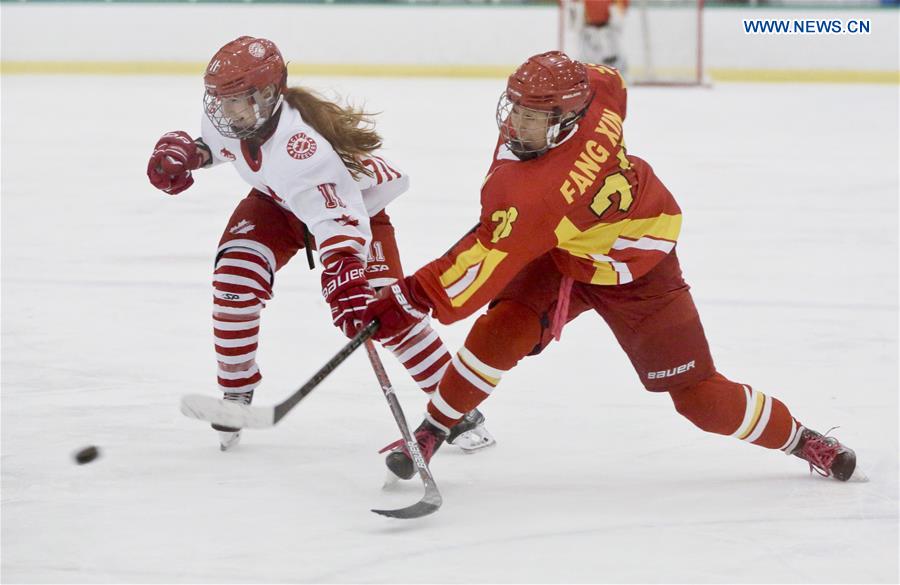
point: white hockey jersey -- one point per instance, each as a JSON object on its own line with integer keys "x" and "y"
{"x": 300, "y": 170}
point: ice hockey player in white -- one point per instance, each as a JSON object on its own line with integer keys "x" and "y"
{"x": 316, "y": 182}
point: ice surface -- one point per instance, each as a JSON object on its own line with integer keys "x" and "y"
{"x": 790, "y": 195}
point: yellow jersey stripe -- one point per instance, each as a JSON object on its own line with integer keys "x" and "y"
{"x": 599, "y": 239}
{"x": 464, "y": 261}
{"x": 470, "y": 270}
{"x": 493, "y": 259}
{"x": 604, "y": 273}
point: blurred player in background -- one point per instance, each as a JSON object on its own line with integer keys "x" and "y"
{"x": 571, "y": 222}
{"x": 601, "y": 35}
{"x": 316, "y": 182}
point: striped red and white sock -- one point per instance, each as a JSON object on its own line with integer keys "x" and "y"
{"x": 423, "y": 354}
{"x": 242, "y": 283}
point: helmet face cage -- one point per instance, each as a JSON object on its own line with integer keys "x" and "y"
{"x": 245, "y": 81}
{"x": 549, "y": 88}
{"x": 511, "y": 135}
{"x": 222, "y": 110}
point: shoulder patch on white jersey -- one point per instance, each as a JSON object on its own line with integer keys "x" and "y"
{"x": 301, "y": 146}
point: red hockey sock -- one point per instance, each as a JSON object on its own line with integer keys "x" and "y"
{"x": 498, "y": 340}
{"x": 718, "y": 405}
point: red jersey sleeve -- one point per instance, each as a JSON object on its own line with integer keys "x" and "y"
{"x": 609, "y": 87}
{"x": 514, "y": 229}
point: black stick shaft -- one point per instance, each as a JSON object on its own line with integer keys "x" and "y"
{"x": 432, "y": 500}
{"x": 291, "y": 401}
{"x": 399, "y": 417}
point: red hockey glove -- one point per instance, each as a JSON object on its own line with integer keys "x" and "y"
{"x": 175, "y": 156}
{"x": 396, "y": 308}
{"x": 346, "y": 289}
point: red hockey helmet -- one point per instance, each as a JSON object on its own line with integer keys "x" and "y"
{"x": 548, "y": 86}
{"x": 551, "y": 82}
{"x": 245, "y": 81}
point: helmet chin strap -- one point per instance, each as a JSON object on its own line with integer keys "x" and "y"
{"x": 553, "y": 131}
{"x": 260, "y": 119}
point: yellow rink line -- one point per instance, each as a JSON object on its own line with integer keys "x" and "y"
{"x": 805, "y": 76}
{"x": 400, "y": 70}
{"x": 180, "y": 68}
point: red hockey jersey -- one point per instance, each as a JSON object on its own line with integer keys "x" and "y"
{"x": 601, "y": 213}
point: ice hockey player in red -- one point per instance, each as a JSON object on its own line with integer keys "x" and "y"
{"x": 570, "y": 222}
{"x": 316, "y": 182}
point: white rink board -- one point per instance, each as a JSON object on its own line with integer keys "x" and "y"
{"x": 790, "y": 243}
{"x": 479, "y": 35}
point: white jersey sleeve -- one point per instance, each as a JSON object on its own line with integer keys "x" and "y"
{"x": 385, "y": 184}
{"x": 213, "y": 140}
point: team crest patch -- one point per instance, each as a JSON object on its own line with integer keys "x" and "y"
{"x": 301, "y": 146}
{"x": 227, "y": 154}
{"x": 257, "y": 50}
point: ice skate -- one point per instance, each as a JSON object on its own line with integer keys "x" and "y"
{"x": 827, "y": 456}
{"x": 470, "y": 434}
{"x": 230, "y": 437}
{"x": 429, "y": 438}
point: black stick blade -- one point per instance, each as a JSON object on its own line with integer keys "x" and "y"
{"x": 417, "y": 510}
{"x": 429, "y": 504}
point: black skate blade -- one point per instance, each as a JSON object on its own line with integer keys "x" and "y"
{"x": 417, "y": 510}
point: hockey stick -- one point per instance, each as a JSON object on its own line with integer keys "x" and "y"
{"x": 243, "y": 416}
{"x": 432, "y": 499}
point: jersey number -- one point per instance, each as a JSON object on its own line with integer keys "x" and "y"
{"x": 616, "y": 183}
{"x": 332, "y": 200}
{"x": 505, "y": 219}
{"x": 376, "y": 252}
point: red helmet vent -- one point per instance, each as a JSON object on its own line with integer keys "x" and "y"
{"x": 245, "y": 64}
{"x": 552, "y": 82}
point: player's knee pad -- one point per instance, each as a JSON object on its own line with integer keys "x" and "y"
{"x": 242, "y": 283}
{"x": 715, "y": 404}
{"x": 505, "y": 334}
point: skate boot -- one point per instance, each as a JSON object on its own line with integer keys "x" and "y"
{"x": 825, "y": 455}
{"x": 429, "y": 438}
{"x": 470, "y": 434}
{"x": 229, "y": 437}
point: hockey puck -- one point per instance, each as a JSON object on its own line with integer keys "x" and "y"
{"x": 87, "y": 455}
